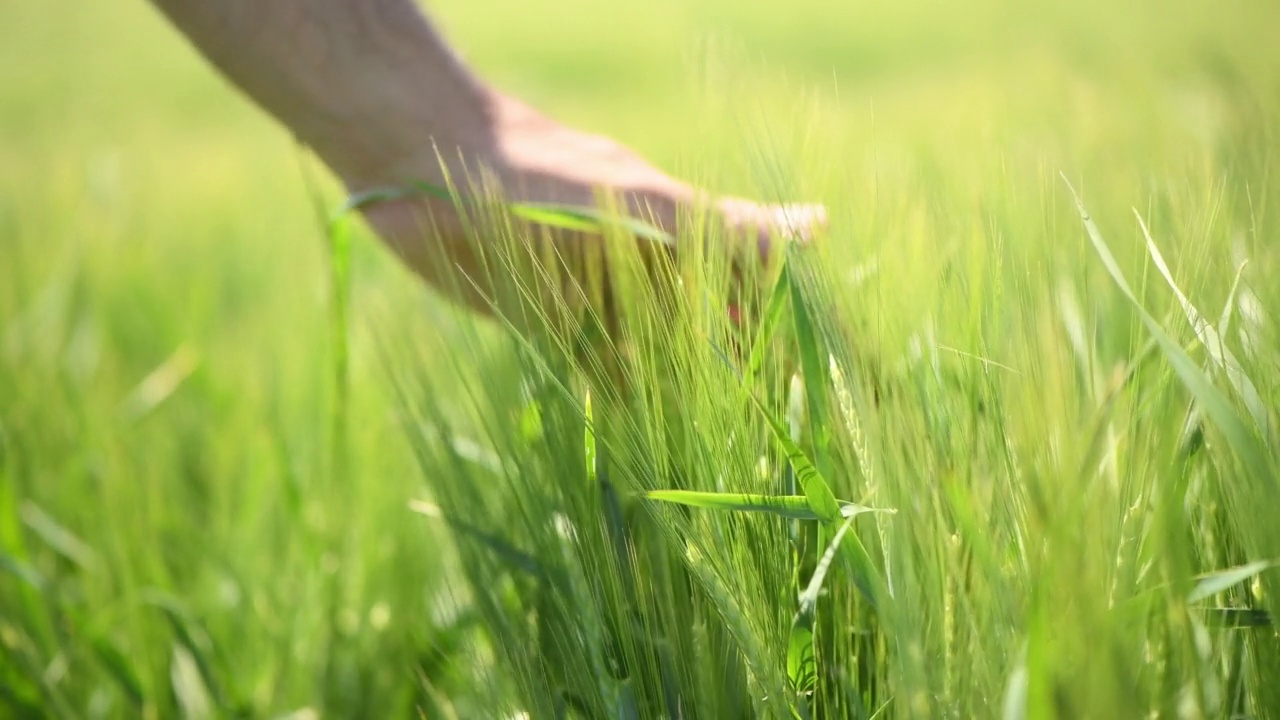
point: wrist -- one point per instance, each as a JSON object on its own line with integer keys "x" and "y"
{"x": 391, "y": 130}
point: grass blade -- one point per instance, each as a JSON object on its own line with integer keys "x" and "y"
{"x": 22, "y": 571}
{"x": 565, "y": 217}
{"x": 119, "y": 668}
{"x": 1228, "y": 308}
{"x": 193, "y": 654}
{"x": 1238, "y": 618}
{"x": 1245, "y": 444}
{"x": 1211, "y": 340}
{"x": 514, "y": 557}
{"x": 792, "y": 507}
{"x": 816, "y": 378}
{"x": 801, "y": 664}
{"x": 1214, "y": 583}
{"x": 768, "y": 324}
{"x": 56, "y": 536}
{"x": 824, "y": 504}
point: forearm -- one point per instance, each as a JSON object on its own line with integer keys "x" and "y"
{"x": 362, "y": 82}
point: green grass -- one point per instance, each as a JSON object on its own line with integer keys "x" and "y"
{"x": 249, "y": 466}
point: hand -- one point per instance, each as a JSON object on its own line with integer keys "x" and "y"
{"x": 533, "y": 159}
{"x": 374, "y": 89}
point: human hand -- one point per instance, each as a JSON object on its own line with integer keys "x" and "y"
{"x": 531, "y": 159}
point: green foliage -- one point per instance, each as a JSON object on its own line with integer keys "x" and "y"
{"x": 960, "y": 457}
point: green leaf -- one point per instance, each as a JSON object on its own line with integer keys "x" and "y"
{"x": 22, "y": 571}
{"x": 816, "y": 378}
{"x": 801, "y": 665}
{"x": 1211, "y": 340}
{"x": 119, "y": 668}
{"x": 821, "y": 500}
{"x": 1224, "y": 320}
{"x": 193, "y": 652}
{"x": 190, "y": 686}
{"x": 1016, "y": 692}
{"x": 585, "y": 219}
{"x": 1242, "y": 441}
{"x": 531, "y": 421}
{"x": 809, "y": 598}
{"x": 514, "y": 557}
{"x": 1214, "y": 583}
{"x": 1238, "y": 618}
{"x": 768, "y": 324}
{"x": 589, "y": 438}
{"x": 565, "y": 217}
{"x": 824, "y": 504}
{"x": 64, "y": 542}
{"x": 794, "y": 507}
{"x": 557, "y": 218}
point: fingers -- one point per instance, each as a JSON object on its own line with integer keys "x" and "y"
{"x": 770, "y": 225}
{"x": 430, "y": 236}
{"x": 767, "y": 228}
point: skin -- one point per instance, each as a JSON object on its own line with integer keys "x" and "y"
{"x": 375, "y": 91}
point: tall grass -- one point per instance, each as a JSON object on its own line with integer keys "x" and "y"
{"x": 1003, "y": 443}
{"x": 1074, "y": 535}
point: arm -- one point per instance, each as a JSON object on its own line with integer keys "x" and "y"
{"x": 362, "y": 82}
{"x": 376, "y": 92}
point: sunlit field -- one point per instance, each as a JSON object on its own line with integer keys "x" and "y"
{"x": 1002, "y": 442}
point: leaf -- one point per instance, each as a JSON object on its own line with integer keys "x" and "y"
{"x": 565, "y": 217}
{"x": 816, "y": 379}
{"x": 119, "y": 668}
{"x": 161, "y": 383}
{"x": 1016, "y": 692}
{"x": 1228, "y": 308}
{"x": 824, "y": 504}
{"x": 801, "y": 666}
{"x": 64, "y": 542}
{"x": 851, "y": 510}
{"x": 1242, "y": 441}
{"x": 106, "y": 652}
{"x": 794, "y": 507}
{"x": 466, "y": 449}
{"x": 22, "y": 571}
{"x": 531, "y": 422}
{"x": 514, "y": 557}
{"x": 338, "y": 233}
{"x": 610, "y": 507}
{"x": 589, "y": 438}
{"x": 821, "y": 500}
{"x": 1212, "y": 341}
{"x": 809, "y": 598}
{"x": 1214, "y": 583}
{"x": 588, "y": 219}
{"x": 552, "y": 218}
{"x": 1238, "y": 618}
{"x": 768, "y": 324}
{"x": 189, "y": 685}
{"x": 192, "y": 651}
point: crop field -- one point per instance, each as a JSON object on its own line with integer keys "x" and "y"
{"x": 1002, "y": 441}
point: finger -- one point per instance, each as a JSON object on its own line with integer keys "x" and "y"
{"x": 780, "y": 224}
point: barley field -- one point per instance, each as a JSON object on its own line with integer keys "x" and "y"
{"x": 1003, "y": 442}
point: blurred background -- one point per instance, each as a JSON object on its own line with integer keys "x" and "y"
{"x": 165, "y": 344}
